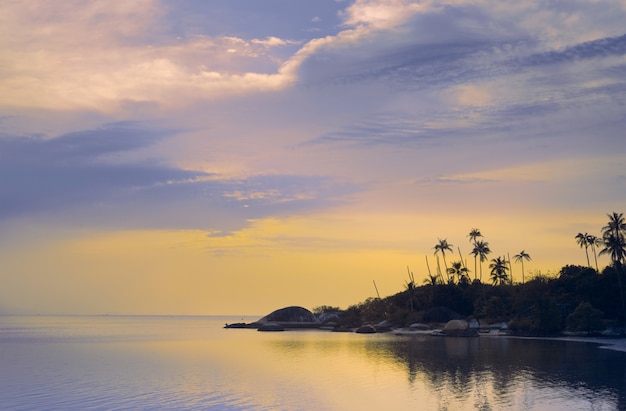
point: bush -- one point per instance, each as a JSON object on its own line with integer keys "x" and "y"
{"x": 585, "y": 318}
{"x": 544, "y": 318}
{"x": 495, "y": 309}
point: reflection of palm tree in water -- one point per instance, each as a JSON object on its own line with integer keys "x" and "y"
{"x": 493, "y": 369}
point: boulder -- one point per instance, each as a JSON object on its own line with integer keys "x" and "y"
{"x": 458, "y": 328}
{"x": 291, "y": 317}
{"x": 366, "y": 329}
{"x": 455, "y": 326}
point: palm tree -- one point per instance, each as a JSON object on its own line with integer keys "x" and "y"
{"x": 459, "y": 271}
{"x": 481, "y": 249}
{"x": 614, "y": 239}
{"x": 499, "y": 268}
{"x": 615, "y": 246}
{"x": 594, "y": 241}
{"x": 616, "y": 225}
{"x": 442, "y": 247}
{"x": 519, "y": 258}
{"x": 431, "y": 280}
{"x": 581, "y": 240}
{"x": 473, "y": 235}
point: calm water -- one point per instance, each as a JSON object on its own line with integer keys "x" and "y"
{"x": 192, "y": 363}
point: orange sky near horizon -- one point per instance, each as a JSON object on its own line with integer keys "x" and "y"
{"x": 310, "y": 261}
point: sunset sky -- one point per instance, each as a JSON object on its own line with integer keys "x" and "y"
{"x": 238, "y": 156}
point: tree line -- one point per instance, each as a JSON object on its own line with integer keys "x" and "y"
{"x": 458, "y": 272}
{"x": 578, "y": 298}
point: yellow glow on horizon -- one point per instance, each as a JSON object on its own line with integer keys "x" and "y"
{"x": 330, "y": 259}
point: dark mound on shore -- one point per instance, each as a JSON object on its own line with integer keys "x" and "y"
{"x": 288, "y": 317}
{"x": 291, "y": 315}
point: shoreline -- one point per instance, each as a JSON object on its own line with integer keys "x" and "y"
{"x": 615, "y": 344}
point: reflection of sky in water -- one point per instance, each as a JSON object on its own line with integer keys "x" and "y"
{"x": 192, "y": 363}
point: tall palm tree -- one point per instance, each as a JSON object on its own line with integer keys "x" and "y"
{"x": 616, "y": 225}
{"x": 442, "y": 247}
{"x": 581, "y": 240}
{"x": 519, "y": 258}
{"x": 614, "y": 239}
{"x": 481, "y": 249}
{"x": 594, "y": 241}
{"x": 473, "y": 235}
{"x": 615, "y": 246}
{"x": 458, "y": 270}
{"x": 499, "y": 268}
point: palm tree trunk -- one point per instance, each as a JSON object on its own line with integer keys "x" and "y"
{"x": 439, "y": 269}
{"x": 461, "y": 257}
{"x": 475, "y": 271}
{"x": 510, "y": 268}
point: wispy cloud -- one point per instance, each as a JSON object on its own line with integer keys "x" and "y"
{"x": 456, "y": 180}
{"x": 88, "y": 170}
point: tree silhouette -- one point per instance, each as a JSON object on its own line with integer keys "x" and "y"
{"x": 519, "y": 258}
{"x": 431, "y": 280}
{"x": 458, "y": 270}
{"x": 615, "y": 247}
{"x": 613, "y": 237}
{"x": 473, "y": 235}
{"x": 616, "y": 225}
{"x": 442, "y": 247}
{"x": 499, "y": 268}
{"x": 481, "y": 249}
{"x": 581, "y": 240}
{"x": 594, "y": 241}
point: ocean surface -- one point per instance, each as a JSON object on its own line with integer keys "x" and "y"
{"x": 193, "y": 363}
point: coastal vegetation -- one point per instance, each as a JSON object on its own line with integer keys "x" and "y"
{"x": 578, "y": 298}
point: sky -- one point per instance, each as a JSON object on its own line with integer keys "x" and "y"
{"x": 238, "y": 156}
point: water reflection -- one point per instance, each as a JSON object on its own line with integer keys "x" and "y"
{"x": 481, "y": 373}
{"x": 192, "y": 363}
{"x": 466, "y": 366}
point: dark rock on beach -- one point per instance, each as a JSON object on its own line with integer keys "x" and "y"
{"x": 285, "y": 318}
